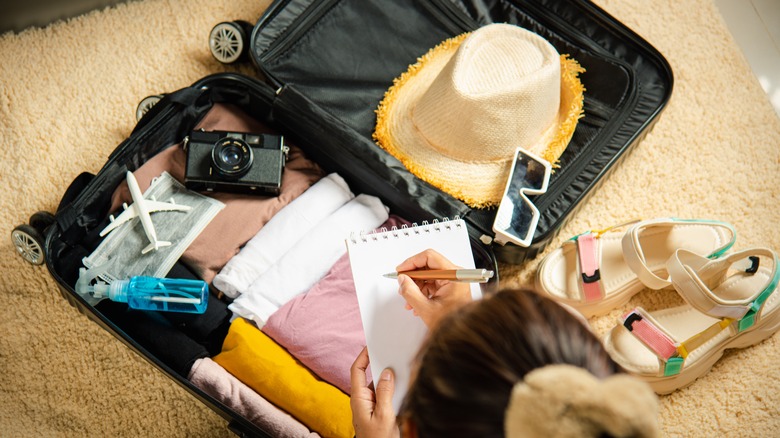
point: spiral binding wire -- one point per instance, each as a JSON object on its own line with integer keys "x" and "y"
{"x": 405, "y": 230}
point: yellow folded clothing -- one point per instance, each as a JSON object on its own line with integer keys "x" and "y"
{"x": 269, "y": 369}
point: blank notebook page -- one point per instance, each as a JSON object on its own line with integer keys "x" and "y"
{"x": 394, "y": 334}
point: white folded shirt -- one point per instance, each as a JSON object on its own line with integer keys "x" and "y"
{"x": 283, "y": 231}
{"x": 309, "y": 260}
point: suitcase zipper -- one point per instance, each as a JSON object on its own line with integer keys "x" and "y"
{"x": 557, "y": 25}
{"x": 456, "y": 20}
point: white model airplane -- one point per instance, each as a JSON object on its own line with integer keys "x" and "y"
{"x": 141, "y": 208}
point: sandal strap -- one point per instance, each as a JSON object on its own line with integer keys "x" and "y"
{"x": 672, "y": 353}
{"x": 634, "y": 255}
{"x": 644, "y": 328}
{"x": 588, "y": 249}
{"x": 690, "y": 273}
{"x": 699, "y": 339}
{"x": 635, "y": 258}
{"x": 589, "y": 256}
{"x": 749, "y": 319}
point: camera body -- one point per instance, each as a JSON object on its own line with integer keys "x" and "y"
{"x": 235, "y": 162}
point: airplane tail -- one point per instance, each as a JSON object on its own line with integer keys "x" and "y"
{"x": 155, "y": 245}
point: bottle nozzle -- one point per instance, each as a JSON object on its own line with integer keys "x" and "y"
{"x": 93, "y": 293}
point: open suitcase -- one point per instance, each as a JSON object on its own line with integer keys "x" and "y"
{"x": 320, "y": 88}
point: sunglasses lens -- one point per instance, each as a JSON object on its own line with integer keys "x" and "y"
{"x": 535, "y": 173}
{"x": 516, "y": 217}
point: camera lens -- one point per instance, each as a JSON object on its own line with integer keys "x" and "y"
{"x": 231, "y": 157}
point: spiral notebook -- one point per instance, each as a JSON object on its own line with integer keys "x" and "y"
{"x": 394, "y": 334}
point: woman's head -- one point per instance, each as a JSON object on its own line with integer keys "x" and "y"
{"x": 473, "y": 358}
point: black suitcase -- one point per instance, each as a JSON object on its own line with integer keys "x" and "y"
{"x": 628, "y": 85}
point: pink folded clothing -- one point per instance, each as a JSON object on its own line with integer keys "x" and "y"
{"x": 223, "y": 386}
{"x": 243, "y": 215}
{"x": 322, "y": 328}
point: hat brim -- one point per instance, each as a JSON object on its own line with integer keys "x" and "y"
{"x": 478, "y": 184}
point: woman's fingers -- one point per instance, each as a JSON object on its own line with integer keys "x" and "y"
{"x": 384, "y": 394}
{"x": 412, "y": 294}
{"x": 357, "y": 372}
{"x": 429, "y": 259}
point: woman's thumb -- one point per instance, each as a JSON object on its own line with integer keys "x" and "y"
{"x": 384, "y": 391}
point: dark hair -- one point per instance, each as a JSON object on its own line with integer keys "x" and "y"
{"x": 467, "y": 367}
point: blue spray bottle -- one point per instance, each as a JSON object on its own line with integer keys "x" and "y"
{"x": 146, "y": 293}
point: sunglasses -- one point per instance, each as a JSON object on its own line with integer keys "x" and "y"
{"x": 517, "y": 216}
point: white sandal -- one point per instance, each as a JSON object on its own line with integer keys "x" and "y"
{"x": 730, "y": 304}
{"x": 598, "y": 271}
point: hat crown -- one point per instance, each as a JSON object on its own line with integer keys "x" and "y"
{"x": 501, "y": 90}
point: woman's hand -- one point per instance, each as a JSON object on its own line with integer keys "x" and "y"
{"x": 372, "y": 414}
{"x": 431, "y": 300}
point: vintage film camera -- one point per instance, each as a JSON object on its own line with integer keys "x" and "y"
{"x": 234, "y": 162}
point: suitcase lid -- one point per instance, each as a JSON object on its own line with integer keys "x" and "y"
{"x": 340, "y": 56}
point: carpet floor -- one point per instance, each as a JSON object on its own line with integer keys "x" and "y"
{"x": 68, "y": 94}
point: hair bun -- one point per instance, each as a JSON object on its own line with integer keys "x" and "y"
{"x": 568, "y": 401}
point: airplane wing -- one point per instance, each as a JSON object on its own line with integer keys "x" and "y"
{"x": 153, "y": 206}
{"x": 126, "y": 215}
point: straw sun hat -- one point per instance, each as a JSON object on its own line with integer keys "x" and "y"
{"x": 456, "y": 117}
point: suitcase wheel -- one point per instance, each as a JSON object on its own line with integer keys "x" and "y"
{"x": 229, "y": 41}
{"x": 28, "y": 239}
{"x": 146, "y": 104}
{"x": 41, "y": 220}
{"x": 29, "y": 243}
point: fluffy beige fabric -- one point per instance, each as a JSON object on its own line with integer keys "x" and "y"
{"x": 565, "y": 401}
{"x": 67, "y": 98}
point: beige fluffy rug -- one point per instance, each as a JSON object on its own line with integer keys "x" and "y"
{"x": 68, "y": 95}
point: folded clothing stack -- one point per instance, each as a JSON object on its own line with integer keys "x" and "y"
{"x": 308, "y": 260}
{"x": 269, "y": 369}
{"x": 322, "y": 328}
